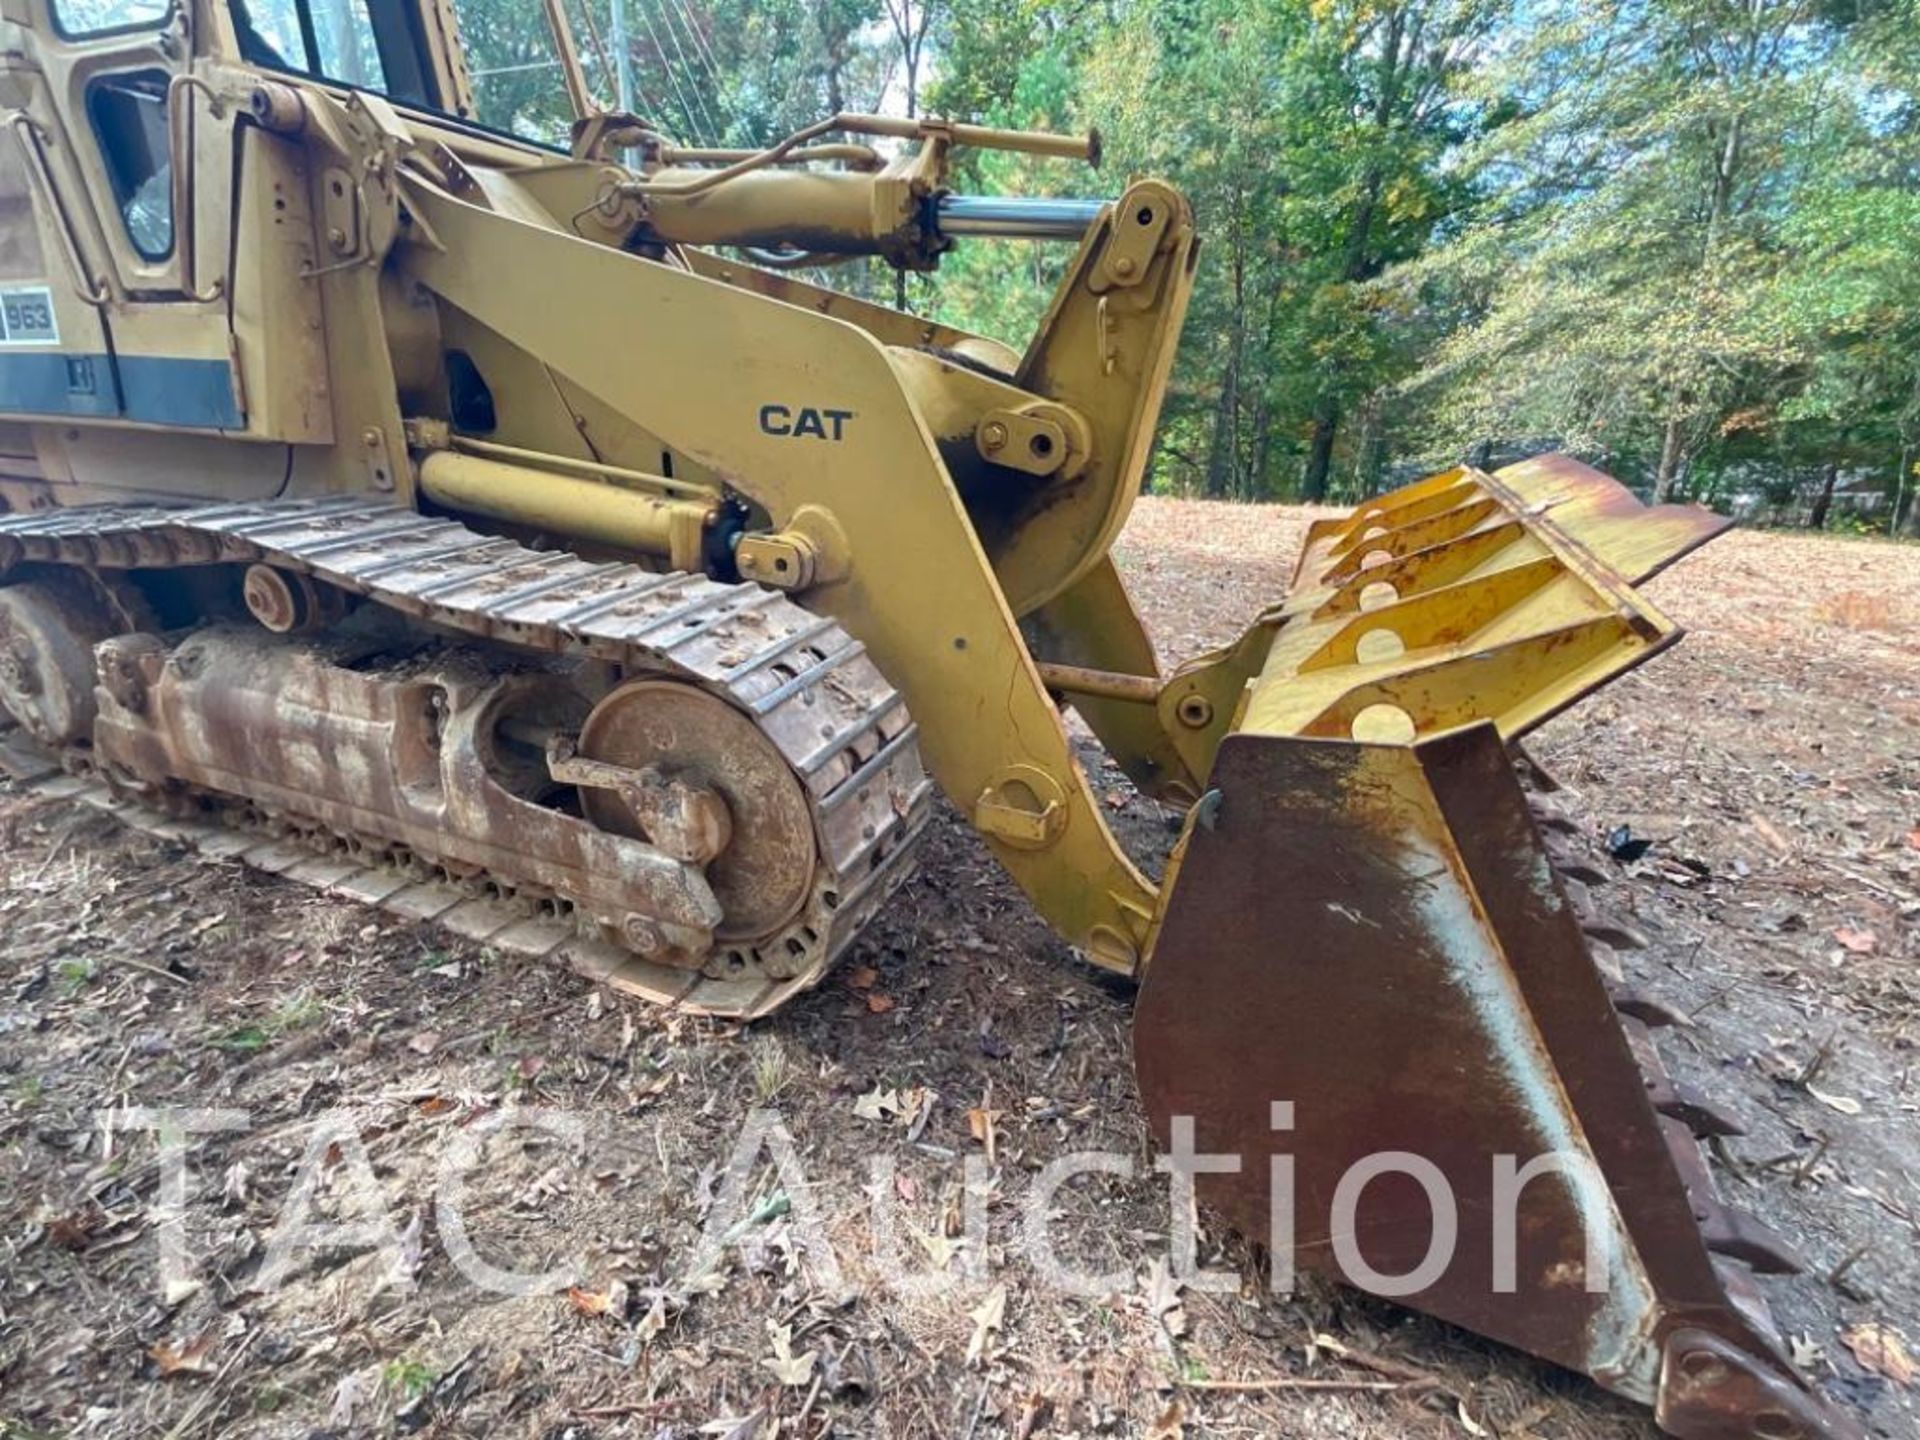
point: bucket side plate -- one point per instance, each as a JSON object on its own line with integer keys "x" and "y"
{"x": 1364, "y": 926}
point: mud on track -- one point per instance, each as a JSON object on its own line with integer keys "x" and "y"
{"x": 1774, "y": 761}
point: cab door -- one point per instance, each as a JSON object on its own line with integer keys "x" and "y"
{"x": 54, "y": 355}
{"x": 108, "y": 80}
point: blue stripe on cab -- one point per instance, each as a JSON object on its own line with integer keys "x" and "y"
{"x": 47, "y": 382}
{"x": 167, "y": 391}
{"x": 157, "y": 389}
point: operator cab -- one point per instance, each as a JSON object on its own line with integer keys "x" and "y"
{"x": 137, "y": 209}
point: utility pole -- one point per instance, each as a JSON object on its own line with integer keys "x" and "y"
{"x": 622, "y": 59}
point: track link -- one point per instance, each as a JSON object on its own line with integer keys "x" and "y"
{"x": 807, "y": 684}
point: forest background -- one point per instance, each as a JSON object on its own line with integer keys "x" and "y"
{"x": 1676, "y": 237}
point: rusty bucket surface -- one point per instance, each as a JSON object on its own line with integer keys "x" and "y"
{"x": 1369, "y": 971}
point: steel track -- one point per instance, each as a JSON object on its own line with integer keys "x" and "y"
{"x": 808, "y": 685}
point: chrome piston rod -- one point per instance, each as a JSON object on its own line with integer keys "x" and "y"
{"x": 1015, "y": 217}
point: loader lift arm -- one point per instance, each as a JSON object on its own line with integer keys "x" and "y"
{"x": 914, "y": 581}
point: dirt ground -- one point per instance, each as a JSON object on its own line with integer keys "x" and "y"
{"x": 1773, "y": 761}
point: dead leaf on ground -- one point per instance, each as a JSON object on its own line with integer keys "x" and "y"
{"x": 1913, "y": 838}
{"x": 1806, "y": 1353}
{"x": 1172, "y": 1423}
{"x": 918, "y": 1106}
{"x": 188, "y": 1359}
{"x": 1882, "y": 1349}
{"x": 74, "y": 1230}
{"x": 909, "y": 1107}
{"x": 748, "y": 1428}
{"x": 940, "y": 1249}
{"x": 1163, "y": 1298}
{"x": 611, "y": 1301}
{"x": 788, "y": 1368}
{"x": 981, "y": 1123}
{"x": 1770, "y": 833}
{"x": 878, "y": 1004}
{"x": 862, "y": 977}
{"x": 988, "y": 1317}
{"x": 705, "y": 1282}
{"x": 348, "y": 1396}
{"x": 235, "y": 1186}
{"x": 655, "y": 1320}
{"x": 1860, "y": 942}
{"x": 1845, "y": 1104}
{"x": 877, "y": 1104}
{"x": 1033, "y": 1414}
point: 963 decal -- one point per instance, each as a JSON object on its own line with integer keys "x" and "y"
{"x": 26, "y": 316}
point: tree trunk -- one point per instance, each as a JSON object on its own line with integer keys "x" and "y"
{"x": 1672, "y": 452}
{"x": 1370, "y": 448}
{"x": 1259, "y": 438}
{"x": 1326, "y": 423}
{"x": 1823, "y": 502}
{"x": 1223, "y": 455}
{"x": 1900, "y": 522}
{"x": 1220, "y": 458}
{"x": 1360, "y": 262}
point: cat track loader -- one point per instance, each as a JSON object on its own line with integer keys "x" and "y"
{"x": 515, "y": 537}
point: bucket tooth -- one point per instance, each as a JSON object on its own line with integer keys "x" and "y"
{"x": 1727, "y": 1230}
{"x": 1578, "y": 898}
{"x": 1616, "y": 935}
{"x": 1538, "y": 780}
{"x": 1555, "y": 822}
{"x": 1584, "y": 873}
{"x": 1652, "y": 1013}
{"x": 1370, "y": 960}
{"x": 1740, "y": 1236}
{"x": 1701, "y": 1116}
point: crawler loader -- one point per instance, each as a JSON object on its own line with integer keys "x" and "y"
{"x": 513, "y": 536}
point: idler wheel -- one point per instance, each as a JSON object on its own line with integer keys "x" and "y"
{"x": 47, "y": 633}
{"x": 762, "y": 875}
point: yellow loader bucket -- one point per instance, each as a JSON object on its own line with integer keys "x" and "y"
{"x": 1371, "y": 986}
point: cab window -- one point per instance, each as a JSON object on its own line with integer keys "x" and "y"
{"x": 128, "y": 112}
{"x": 343, "y": 31}
{"x": 368, "y": 44}
{"x": 80, "y": 19}
{"x": 515, "y": 70}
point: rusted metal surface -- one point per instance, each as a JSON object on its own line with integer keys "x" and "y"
{"x": 1638, "y": 541}
{"x": 1082, "y": 680}
{"x": 1409, "y": 975}
{"x": 48, "y": 628}
{"x": 797, "y": 680}
{"x": 763, "y": 875}
{"x": 399, "y": 756}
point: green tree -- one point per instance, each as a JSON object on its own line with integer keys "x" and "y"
{"x": 1311, "y": 138}
{"x": 1620, "y": 295}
